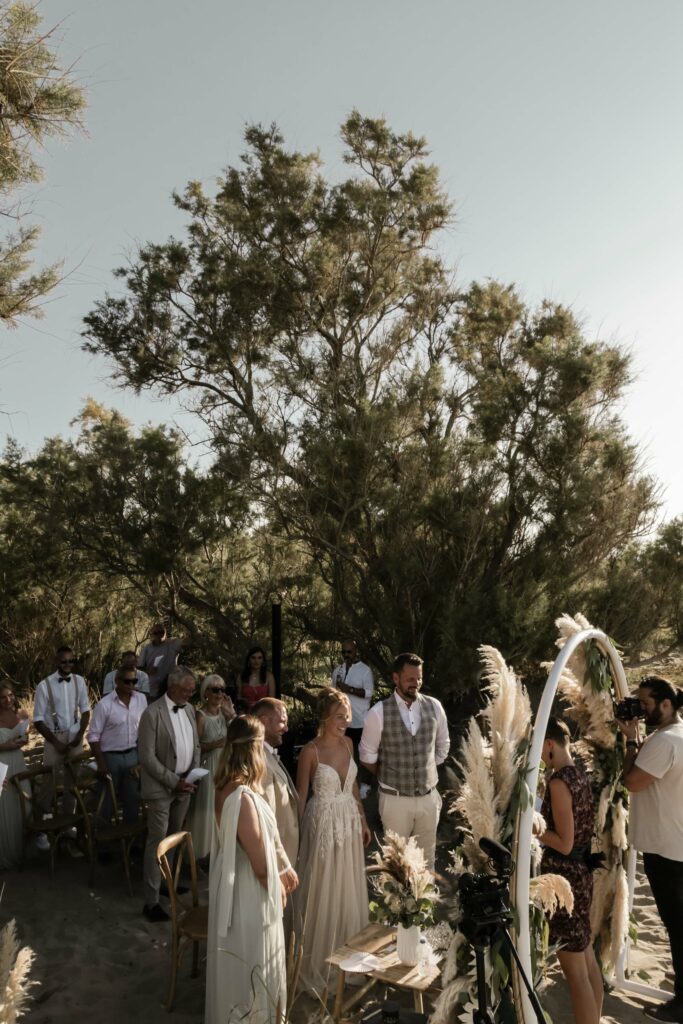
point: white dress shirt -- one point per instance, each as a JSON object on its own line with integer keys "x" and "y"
{"x": 360, "y": 676}
{"x": 184, "y": 740}
{"x": 109, "y": 684}
{"x": 63, "y": 695}
{"x": 114, "y": 725}
{"x": 411, "y": 716}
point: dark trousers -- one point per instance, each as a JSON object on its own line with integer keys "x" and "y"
{"x": 126, "y": 785}
{"x": 666, "y": 881}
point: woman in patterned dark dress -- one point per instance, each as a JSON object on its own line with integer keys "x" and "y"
{"x": 569, "y": 816}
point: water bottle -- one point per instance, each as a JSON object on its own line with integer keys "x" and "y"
{"x": 423, "y": 952}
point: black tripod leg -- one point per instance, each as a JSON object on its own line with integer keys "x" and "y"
{"x": 533, "y": 998}
{"x": 481, "y": 1015}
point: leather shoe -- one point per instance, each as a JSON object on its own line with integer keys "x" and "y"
{"x": 154, "y": 913}
{"x": 668, "y": 1012}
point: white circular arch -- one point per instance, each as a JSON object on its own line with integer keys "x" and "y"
{"x": 526, "y": 818}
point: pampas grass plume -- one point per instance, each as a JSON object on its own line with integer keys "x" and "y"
{"x": 551, "y": 892}
{"x": 15, "y": 967}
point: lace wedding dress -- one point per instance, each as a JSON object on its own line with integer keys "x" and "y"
{"x": 331, "y": 903}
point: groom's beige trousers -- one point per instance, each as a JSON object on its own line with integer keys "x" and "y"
{"x": 413, "y": 816}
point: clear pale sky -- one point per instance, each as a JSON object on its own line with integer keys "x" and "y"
{"x": 557, "y": 128}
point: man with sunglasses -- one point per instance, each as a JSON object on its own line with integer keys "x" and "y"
{"x": 61, "y": 714}
{"x": 354, "y": 678}
{"x": 113, "y": 738}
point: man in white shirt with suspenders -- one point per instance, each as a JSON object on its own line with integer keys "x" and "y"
{"x": 61, "y": 714}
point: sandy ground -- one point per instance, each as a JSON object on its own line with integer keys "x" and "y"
{"x": 97, "y": 957}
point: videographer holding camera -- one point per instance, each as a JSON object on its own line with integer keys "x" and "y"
{"x": 653, "y": 773}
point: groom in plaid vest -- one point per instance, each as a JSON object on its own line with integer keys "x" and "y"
{"x": 404, "y": 739}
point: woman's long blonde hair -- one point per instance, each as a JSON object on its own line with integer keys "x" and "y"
{"x": 243, "y": 759}
{"x": 329, "y": 701}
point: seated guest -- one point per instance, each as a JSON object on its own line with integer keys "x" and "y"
{"x": 255, "y": 681}
{"x": 569, "y": 815}
{"x": 113, "y": 738}
{"x": 11, "y": 742}
{"x": 212, "y": 727}
{"x": 246, "y": 976}
{"x": 129, "y": 660}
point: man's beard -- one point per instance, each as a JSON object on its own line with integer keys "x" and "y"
{"x": 655, "y": 717}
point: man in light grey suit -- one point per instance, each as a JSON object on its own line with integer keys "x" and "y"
{"x": 168, "y": 748}
{"x": 278, "y": 788}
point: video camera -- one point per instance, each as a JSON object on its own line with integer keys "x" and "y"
{"x": 628, "y": 708}
{"x": 485, "y": 898}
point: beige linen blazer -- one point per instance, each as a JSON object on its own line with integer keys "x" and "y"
{"x": 280, "y": 792}
{"x": 156, "y": 750}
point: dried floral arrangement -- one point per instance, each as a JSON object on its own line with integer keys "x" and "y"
{"x": 15, "y": 967}
{"x": 404, "y": 887}
{"x": 586, "y": 689}
{"x": 493, "y": 766}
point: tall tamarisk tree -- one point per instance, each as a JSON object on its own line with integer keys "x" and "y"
{"x": 449, "y": 462}
{"x": 39, "y": 100}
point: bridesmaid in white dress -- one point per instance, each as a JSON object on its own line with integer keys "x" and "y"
{"x": 331, "y": 904}
{"x": 246, "y": 970}
{"x": 212, "y": 725}
{"x": 11, "y": 824}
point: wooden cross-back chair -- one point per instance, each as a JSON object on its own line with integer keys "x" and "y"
{"x": 189, "y": 923}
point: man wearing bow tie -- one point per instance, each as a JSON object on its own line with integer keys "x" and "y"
{"x": 168, "y": 749}
{"x": 61, "y": 714}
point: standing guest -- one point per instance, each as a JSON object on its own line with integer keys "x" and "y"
{"x": 255, "y": 681}
{"x": 246, "y": 976}
{"x": 212, "y": 727}
{"x": 11, "y": 742}
{"x": 570, "y": 817}
{"x": 354, "y": 678}
{"x": 168, "y": 748}
{"x": 331, "y": 904}
{"x": 129, "y": 660}
{"x": 159, "y": 656}
{"x": 405, "y": 738}
{"x": 278, "y": 787}
{"x": 653, "y": 773}
{"x": 113, "y": 738}
{"x": 61, "y": 715}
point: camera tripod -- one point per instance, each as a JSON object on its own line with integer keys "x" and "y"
{"x": 480, "y": 937}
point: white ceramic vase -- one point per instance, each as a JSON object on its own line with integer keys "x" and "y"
{"x": 407, "y": 944}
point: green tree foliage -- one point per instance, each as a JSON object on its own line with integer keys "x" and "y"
{"x": 639, "y": 597}
{"x": 450, "y": 462}
{"x": 121, "y": 514}
{"x": 38, "y": 101}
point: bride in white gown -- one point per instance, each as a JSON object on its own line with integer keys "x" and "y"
{"x": 246, "y": 969}
{"x": 331, "y": 903}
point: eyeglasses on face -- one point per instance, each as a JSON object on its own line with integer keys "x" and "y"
{"x": 128, "y": 679}
{"x": 67, "y": 661}
{"x": 216, "y": 689}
